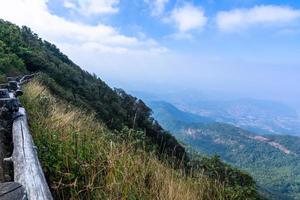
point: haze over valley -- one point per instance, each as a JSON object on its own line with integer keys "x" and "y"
{"x": 153, "y": 99}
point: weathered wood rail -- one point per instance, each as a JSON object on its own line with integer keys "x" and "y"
{"x": 26, "y": 166}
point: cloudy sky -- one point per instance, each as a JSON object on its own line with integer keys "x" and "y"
{"x": 250, "y": 47}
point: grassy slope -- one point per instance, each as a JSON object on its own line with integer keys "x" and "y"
{"x": 83, "y": 159}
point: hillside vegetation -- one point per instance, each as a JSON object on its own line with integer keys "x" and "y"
{"x": 84, "y": 160}
{"x": 68, "y": 81}
{"x": 104, "y": 143}
{"x": 273, "y": 160}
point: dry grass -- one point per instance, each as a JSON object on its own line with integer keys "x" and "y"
{"x": 82, "y": 160}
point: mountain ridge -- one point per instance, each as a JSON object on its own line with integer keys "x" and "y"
{"x": 261, "y": 116}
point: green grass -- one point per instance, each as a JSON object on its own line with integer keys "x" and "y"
{"x": 82, "y": 159}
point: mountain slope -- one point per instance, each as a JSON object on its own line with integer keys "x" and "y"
{"x": 82, "y": 159}
{"x": 260, "y": 116}
{"x": 273, "y": 160}
{"x": 117, "y": 151}
{"x": 163, "y": 108}
{"x": 68, "y": 81}
{"x": 264, "y": 117}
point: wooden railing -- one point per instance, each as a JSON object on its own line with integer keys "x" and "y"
{"x": 26, "y": 166}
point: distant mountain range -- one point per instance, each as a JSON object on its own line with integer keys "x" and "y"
{"x": 273, "y": 160}
{"x": 266, "y": 117}
{"x": 260, "y": 116}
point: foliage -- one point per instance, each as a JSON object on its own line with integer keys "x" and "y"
{"x": 22, "y": 50}
{"x": 273, "y": 169}
{"x": 216, "y": 169}
{"x": 2, "y": 78}
{"x": 82, "y": 159}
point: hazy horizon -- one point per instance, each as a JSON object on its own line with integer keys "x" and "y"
{"x": 240, "y": 48}
{"x": 230, "y": 90}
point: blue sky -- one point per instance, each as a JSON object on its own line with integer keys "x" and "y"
{"x": 245, "y": 47}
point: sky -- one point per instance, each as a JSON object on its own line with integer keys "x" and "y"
{"x": 246, "y": 48}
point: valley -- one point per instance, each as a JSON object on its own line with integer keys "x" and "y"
{"x": 260, "y": 116}
{"x": 273, "y": 160}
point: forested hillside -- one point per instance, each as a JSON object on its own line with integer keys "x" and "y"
{"x": 23, "y": 51}
{"x": 273, "y": 160}
{"x": 100, "y": 143}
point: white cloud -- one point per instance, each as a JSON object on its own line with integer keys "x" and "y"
{"x": 264, "y": 15}
{"x": 69, "y": 5}
{"x": 188, "y": 18}
{"x": 158, "y": 6}
{"x": 96, "y": 7}
{"x": 35, "y": 14}
{"x": 101, "y": 48}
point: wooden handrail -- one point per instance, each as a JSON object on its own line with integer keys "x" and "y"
{"x": 27, "y": 168}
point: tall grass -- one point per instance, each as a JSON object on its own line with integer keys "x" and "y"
{"x": 82, "y": 159}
